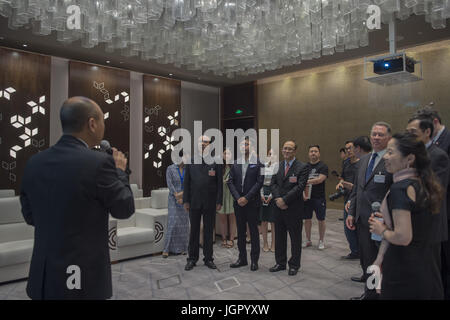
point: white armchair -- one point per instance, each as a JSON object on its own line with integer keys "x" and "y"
{"x": 16, "y": 241}
{"x": 140, "y": 235}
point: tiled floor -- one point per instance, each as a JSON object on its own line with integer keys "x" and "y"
{"x": 323, "y": 275}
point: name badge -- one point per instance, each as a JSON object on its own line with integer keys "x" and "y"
{"x": 293, "y": 179}
{"x": 379, "y": 178}
{"x": 212, "y": 173}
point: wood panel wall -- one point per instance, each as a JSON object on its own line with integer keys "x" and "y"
{"x": 110, "y": 89}
{"x": 24, "y": 112}
{"x": 162, "y": 115}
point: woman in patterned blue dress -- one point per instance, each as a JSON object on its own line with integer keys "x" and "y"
{"x": 177, "y": 236}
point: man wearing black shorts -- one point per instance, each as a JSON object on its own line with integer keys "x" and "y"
{"x": 318, "y": 173}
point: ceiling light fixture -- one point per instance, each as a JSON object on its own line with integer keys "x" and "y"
{"x": 225, "y": 37}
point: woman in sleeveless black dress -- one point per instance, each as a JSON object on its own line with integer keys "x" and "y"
{"x": 415, "y": 197}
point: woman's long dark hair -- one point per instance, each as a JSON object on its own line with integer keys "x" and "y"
{"x": 432, "y": 193}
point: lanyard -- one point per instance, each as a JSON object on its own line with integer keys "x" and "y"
{"x": 181, "y": 177}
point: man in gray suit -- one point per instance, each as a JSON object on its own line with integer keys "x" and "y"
{"x": 371, "y": 185}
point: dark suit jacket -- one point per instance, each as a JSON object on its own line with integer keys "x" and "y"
{"x": 67, "y": 194}
{"x": 252, "y": 183}
{"x": 292, "y": 193}
{"x": 364, "y": 194}
{"x": 440, "y": 166}
{"x": 444, "y": 143}
{"x": 200, "y": 189}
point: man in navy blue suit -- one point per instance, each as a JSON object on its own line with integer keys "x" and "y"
{"x": 245, "y": 182}
{"x": 67, "y": 194}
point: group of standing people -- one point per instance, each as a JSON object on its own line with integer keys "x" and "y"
{"x": 256, "y": 194}
{"x": 405, "y": 235}
{"x": 395, "y": 189}
{"x": 396, "y": 208}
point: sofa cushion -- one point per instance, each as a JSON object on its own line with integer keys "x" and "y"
{"x": 131, "y": 236}
{"x": 15, "y": 252}
{"x": 16, "y": 232}
{"x": 141, "y": 203}
{"x": 10, "y": 210}
{"x": 160, "y": 198}
{"x": 126, "y": 223}
{"x": 6, "y": 193}
{"x": 137, "y": 193}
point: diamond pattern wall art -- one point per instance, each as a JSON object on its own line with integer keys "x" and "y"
{"x": 162, "y": 99}
{"x": 24, "y": 112}
{"x": 109, "y": 88}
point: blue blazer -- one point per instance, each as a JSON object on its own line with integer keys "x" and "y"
{"x": 67, "y": 194}
{"x": 253, "y": 182}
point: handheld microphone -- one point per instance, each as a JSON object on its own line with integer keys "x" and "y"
{"x": 105, "y": 147}
{"x": 376, "y": 208}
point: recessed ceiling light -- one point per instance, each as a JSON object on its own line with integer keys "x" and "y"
{"x": 25, "y": 45}
{"x": 107, "y": 61}
{"x": 170, "y": 74}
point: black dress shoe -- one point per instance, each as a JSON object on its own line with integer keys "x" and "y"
{"x": 254, "y": 266}
{"x": 359, "y": 279}
{"x": 210, "y": 265}
{"x": 292, "y": 271}
{"x": 277, "y": 267}
{"x": 189, "y": 266}
{"x": 362, "y": 297}
{"x": 351, "y": 256}
{"x": 238, "y": 264}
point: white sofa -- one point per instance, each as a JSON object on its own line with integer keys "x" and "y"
{"x": 141, "y": 234}
{"x": 6, "y": 193}
{"x": 16, "y": 241}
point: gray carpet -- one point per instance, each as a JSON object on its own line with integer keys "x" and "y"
{"x": 323, "y": 275}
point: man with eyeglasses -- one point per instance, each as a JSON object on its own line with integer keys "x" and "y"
{"x": 287, "y": 190}
{"x": 202, "y": 197}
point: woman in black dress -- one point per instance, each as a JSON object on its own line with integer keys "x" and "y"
{"x": 405, "y": 255}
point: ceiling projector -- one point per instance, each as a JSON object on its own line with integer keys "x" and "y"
{"x": 392, "y": 69}
{"x": 394, "y": 64}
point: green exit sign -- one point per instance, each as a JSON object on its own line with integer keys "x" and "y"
{"x": 238, "y": 111}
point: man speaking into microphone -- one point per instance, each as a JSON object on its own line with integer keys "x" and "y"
{"x": 67, "y": 194}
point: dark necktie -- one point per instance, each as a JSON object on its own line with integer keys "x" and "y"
{"x": 370, "y": 166}
{"x": 286, "y": 169}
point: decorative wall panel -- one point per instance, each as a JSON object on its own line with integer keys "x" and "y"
{"x": 110, "y": 89}
{"x": 24, "y": 112}
{"x": 162, "y": 115}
